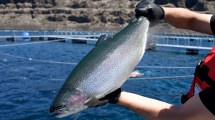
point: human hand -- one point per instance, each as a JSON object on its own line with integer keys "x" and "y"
{"x": 149, "y": 10}
{"x": 110, "y": 98}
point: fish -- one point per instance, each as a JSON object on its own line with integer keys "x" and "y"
{"x": 103, "y": 70}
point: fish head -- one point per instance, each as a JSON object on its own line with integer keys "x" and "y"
{"x": 67, "y": 103}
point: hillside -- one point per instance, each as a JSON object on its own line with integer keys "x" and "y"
{"x": 81, "y": 14}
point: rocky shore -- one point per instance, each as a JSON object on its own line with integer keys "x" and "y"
{"x": 94, "y": 15}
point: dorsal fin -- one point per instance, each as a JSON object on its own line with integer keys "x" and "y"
{"x": 103, "y": 38}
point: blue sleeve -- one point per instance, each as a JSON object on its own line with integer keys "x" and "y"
{"x": 207, "y": 97}
{"x": 212, "y": 23}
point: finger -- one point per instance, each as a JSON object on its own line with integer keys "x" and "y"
{"x": 141, "y": 12}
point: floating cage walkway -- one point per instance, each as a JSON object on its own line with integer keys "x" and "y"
{"x": 196, "y": 42}
{"x": 205, "y": 42}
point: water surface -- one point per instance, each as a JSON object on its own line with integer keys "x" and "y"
{"x": 28, "y": 87}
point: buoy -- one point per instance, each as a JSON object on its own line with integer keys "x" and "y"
{"x": 25, "y": 36}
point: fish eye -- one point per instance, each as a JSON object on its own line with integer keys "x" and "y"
{"x": 61, "y": 107}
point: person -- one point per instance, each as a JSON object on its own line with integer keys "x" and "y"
{"x": 199, "y": 104}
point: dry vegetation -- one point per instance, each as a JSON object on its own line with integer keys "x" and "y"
{"x": 80, "y": 14}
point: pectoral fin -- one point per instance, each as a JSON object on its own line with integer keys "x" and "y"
{"x": 136, "y": 74}
{"x": 94, "y": 102}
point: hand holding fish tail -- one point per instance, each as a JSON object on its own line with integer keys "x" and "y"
{"x": 149, "y": 10}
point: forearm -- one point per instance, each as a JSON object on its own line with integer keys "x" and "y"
{"x": 150, "y": 108}
{"x": 186, "y": 19}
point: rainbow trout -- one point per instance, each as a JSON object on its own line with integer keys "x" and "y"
{"x": 104, "y": 69}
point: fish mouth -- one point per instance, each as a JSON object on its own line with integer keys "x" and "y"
{"x": 61, "y": 114}
{"x": 59, "y": 111}
{"x": 62, "y": 111}
{"x": 58, "y": 108}
{"x": 66, "y": 111}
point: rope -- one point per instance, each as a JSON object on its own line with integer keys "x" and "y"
{"x": 148, "y": 78}
{"x": 169, "y": 67}
{"x": 32, "y": 43}
{"x": 37, "y": 60}
{"x": 164, "y": 77}
{"x": 69, "y": 63}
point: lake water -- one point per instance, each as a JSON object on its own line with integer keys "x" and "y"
{"x": 30, "y": 76}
